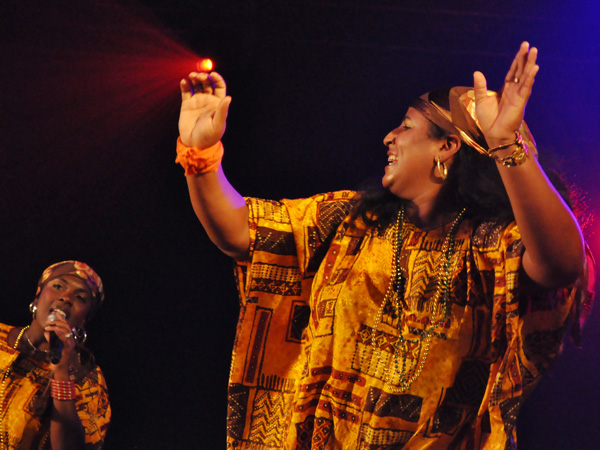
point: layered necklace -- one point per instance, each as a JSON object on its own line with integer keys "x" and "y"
{"x": 395, "y": 297}
{"x": 5, "y": 378}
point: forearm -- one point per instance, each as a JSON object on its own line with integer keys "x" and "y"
{"x": 554, "y": 249}
{"x": 66, "y": 430}
{"x": 222, "y": 212}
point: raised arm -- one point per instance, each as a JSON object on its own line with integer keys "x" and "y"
{"x": 554, "y": 249}
{"x": 66, "y": 429}
{"x": 220, "y": 208}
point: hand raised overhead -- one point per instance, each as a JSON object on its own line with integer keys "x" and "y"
{"x": 204, "y": 107}
{"x": 501, "y": 115}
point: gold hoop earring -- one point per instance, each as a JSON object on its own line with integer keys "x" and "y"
{"x": 442, "y": 169}
{"x": 33, "y": 308}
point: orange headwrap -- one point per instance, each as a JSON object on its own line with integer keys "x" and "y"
{"x": 78, "y": 269}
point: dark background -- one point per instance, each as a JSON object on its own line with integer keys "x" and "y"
{"x": 89, "y": 104}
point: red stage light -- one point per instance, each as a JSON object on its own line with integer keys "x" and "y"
{"x": 204, "y": 65}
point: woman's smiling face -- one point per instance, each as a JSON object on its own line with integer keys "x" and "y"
{"x": 411, "y": 157}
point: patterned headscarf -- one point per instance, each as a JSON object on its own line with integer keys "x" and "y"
{"x": 80, "y": 270}
{"x": 453, "y": 109}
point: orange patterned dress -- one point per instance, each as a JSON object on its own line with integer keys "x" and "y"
{"x": 324, "y": 358}
{"x": 25, "y": 420}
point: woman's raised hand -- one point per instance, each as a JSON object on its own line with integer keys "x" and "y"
{"x": 204, "y": 107}
{"x": 501, "y": 115}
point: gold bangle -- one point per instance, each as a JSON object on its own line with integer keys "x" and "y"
{"x": 503, "y": 146}
{"x": 517, "y": 157}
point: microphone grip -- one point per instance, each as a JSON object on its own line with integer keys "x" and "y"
{"x": 56, "y": 345}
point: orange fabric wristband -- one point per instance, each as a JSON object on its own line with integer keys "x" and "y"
{"x": 196, "y": 160}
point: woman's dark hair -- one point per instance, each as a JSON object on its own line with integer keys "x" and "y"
{"x": 473, "y": 183}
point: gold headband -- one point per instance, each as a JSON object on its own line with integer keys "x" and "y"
{"x": 461, "y": 118}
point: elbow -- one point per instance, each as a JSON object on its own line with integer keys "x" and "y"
{"x": 569, "y": 272}
{"x": 574, "y": 266}
{"x": 236, "y": 253}
{"x": 565, "y": 274}
{"x": 238, "y": 248}
{"x": 557, "y": 278}
{"x": 558, "y": 270}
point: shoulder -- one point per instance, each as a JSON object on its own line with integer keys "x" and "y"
{"x": 340, "y": 196}
{"x": 490, "y": 236}
{"x": 338, "y": 203}
{"x": 335, "y": 204}
{"x": 348, "y": 196}
{"x": 90, "y": 372}
{"x": 4, "y": 331}
{"x": 96, "y": 376}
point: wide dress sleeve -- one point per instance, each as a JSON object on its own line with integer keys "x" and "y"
{"x": 289, "y": 238}
{"x": 528, "y": 324}
{"x": 93, "y": 408}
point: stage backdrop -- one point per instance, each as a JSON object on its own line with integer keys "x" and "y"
{"x": 87, "y": 146}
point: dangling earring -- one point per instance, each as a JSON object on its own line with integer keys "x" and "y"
{"x": 79, "y": 334}
{"x": 33, "y": 308}
{"x": 442, "y": 169}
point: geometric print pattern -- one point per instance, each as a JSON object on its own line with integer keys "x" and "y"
{"x": 310, "y": 293}
{"x": 382, "y": 439}
{"x": 269, "y": 414}
{"x": 25, "y": 383}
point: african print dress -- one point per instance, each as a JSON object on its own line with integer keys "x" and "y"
{"x": 24, "y": 416}
{"x": 326, "y": 357}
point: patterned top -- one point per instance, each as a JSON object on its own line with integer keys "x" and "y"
{"x": 25, "y": 419}
{"x": 319, "y": 355}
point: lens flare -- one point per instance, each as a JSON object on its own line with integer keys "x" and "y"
{"x": 205, "y": 65}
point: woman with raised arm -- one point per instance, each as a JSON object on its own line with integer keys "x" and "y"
{"x": 52, "y": 393}
{"x": 418, "y": 315}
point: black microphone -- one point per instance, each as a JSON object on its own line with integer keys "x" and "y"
{"x": 56, "y": 345}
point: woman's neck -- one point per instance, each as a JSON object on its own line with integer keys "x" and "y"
{"x": 426, "y": 216}
{"x": 34, "y": 337}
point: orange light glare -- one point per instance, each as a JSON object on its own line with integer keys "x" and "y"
{"x": 204, "y": 65}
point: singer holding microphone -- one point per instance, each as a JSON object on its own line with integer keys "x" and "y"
{"x": 52, "y": 393}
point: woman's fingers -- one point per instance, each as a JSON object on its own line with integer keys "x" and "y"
{"x": 531, "y": 68}
{"x": 525, "y": 74}
{"x": 517, "y": 67}
{"x": 220, "y": 117}
{"x": 61, "y": 329}
{"x": 204, "y": 83}
{"x": 479, "y": 86}
{"x": 220, "y": 88}
{"x": 186, "y": 89}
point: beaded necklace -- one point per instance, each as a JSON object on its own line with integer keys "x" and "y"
{"x": 3, "y": 390}
{"x": 395, "y": 296}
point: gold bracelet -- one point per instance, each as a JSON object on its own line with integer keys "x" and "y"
{"x": 517, "y": 157}
{"x": 500, "y": 147}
